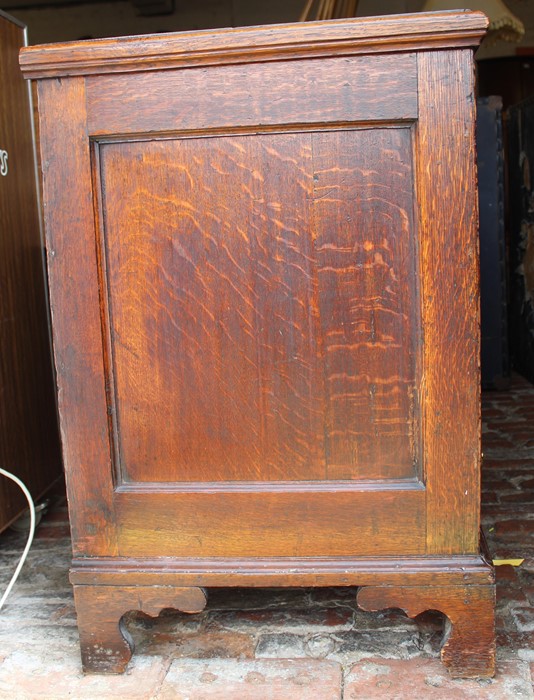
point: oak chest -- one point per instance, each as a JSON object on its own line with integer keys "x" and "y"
{"x": 262, "y": 256}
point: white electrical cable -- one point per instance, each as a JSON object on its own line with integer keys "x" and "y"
{"x": 30, "y": 535}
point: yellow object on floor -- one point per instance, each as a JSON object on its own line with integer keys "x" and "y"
{"x": 510, "y": 562}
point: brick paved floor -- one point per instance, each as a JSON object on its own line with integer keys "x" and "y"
{"x": 297, "y": 644}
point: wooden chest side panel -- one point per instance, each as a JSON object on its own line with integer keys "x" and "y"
{"x": 447, "y": 378}
{"x": 263, "y": 306}
{"x": 351, "y": 89}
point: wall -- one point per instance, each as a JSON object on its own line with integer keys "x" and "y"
{"x": 118, "y": 18}
{"x": 524, "y": 9}
{"x": 99, "y": 19}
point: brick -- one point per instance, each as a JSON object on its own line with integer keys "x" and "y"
{"x": 502, "y": 551}
{"x": 507, "y": 575}
{"x": 169, "y": 621}
{"x": 389, "y": 643}
{"x": 527, "y": 483}
{"x": 54, "y": 531}
{"x": 430, "y": 620}
{"x": 489, "y": 497}
{"x": 507, "y": 463}
{"x": 514, "y": 528}
{"x": 319, "y": 646}
{"x": 36, "y": 611}
{"x": 26, "y": 675}
{"x": 349, "y": 645}
{"x": 489, "y": 411}
{"x": 507, "y": 594}
{"x": 526, "y": 496}
{"x": 517, "y": 433}
{"x": 496, "y": 481}
{"x": 426, "y": 678}
{"x": 515, "y": 645}
{"x": 40, "y": 640}
{"x": 298, "y": 679}
{"x": 197, "y": 645}
{"x": 495, "y": 441}
{"x": 502, "y": 511}
{"x": 281, "y": 646}
{"x": 312, "y": 619}
{"x": 524, "y": 618}
{"x": 529, "y": 593}
{"x": 236, "y": 645}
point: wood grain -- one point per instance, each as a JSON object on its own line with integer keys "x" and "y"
{"x": 266, "y": 524}
{"x": 468, "y": 645}
{"x": 244, "y": 311}
{"x": 368, "y": 301}
{"x": 211, "y": 288}
{"x": 286, "y": 92}
{"x": 449, "y": 277}
{"x": 106, "y": 645}
{"x": 253, "y": 44}
{"x": 75, "y": 305}
{"x": 298, "y": 571}
{"x": 262, "y": 252}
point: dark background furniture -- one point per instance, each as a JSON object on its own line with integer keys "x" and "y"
{"x": 510, "y": 77}
{"x": 495, "y": 359}
{"x": 521, "y": 223}
{"x": 29, "y": 439}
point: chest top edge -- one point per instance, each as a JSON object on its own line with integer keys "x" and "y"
{"x": 419, "y": 31}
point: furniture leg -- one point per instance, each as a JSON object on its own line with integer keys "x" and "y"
{"x": 106, "y": 645}
{"x": 468, "y": 647}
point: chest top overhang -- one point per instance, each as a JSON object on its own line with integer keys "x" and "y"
{"x": 346, "y": 37}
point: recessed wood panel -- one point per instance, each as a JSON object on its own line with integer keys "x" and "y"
{"x": 367, "y": 270}
{"x": 258, "y": 298}
{"x": 211, "y": 282}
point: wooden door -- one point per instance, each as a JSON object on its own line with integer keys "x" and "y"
{"x": 268, "y": 341}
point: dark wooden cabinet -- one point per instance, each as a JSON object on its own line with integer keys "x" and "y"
{"x": 510, "y": 77}
{"x": 520, "y": 134}
{"x": 494, "y": 355}
{"x": 262, "y": 252}
{"x": 29, "y": 439}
